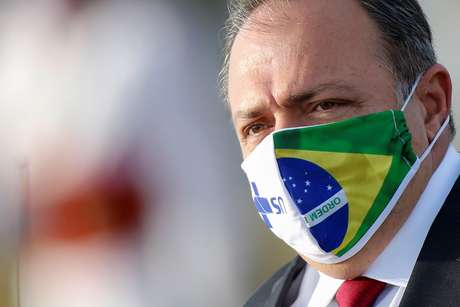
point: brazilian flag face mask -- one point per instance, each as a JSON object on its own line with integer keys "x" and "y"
{"x": 326, "y": 189}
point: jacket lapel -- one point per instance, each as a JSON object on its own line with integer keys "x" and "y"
{"x": 282, "y": 288}
{"x": 435, "y": 280}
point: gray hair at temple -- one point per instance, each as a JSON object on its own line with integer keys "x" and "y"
{"x": 406, "y": 38}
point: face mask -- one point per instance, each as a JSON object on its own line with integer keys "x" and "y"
{"x": 326, "y": 189}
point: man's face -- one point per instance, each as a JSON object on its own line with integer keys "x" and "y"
{"x": 305, "y": 63}
{"x": 311, "y": 62}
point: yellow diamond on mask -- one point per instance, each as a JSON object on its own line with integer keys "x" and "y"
{"x": 361, "y": 177}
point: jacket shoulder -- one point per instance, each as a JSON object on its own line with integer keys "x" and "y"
{"x": 438, "y": 260}
{"x": 268, "y": 294}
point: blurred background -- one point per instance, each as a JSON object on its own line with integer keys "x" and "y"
{"x": 119, "y": 172}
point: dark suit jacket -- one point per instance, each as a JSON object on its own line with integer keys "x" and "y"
{"x": 435, "y": 280}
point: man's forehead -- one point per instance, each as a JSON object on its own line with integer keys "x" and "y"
{"x": 271, "y": 15}
{"x": 334, "y": 21}
{"x": 320, "y": 38}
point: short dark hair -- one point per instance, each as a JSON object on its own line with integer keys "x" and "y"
{"x": 406, "y": 37}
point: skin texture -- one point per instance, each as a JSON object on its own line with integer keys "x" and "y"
{"x": 314, "y": 61}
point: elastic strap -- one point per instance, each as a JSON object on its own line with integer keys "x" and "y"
{"x": 440, "y": 131}
{"x": 412, "y": 92}
{"x": 438, "y": 134}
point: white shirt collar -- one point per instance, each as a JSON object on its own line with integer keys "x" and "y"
{"x": 395, "y": 264}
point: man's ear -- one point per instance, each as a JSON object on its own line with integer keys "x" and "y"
{"x": 435, "y": 94}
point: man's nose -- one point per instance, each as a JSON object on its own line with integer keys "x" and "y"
{"x": 290, "y": 119}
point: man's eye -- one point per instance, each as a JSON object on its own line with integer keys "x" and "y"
{"x": 325, "y": 105}
{"x": 255, "y": 129}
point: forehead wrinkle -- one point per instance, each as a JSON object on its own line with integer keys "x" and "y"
{"x": 252, "y": 107}
{"x": 304, "y": 95}
{"x": 254, "y": 63}
{"x": 335, "y": 85}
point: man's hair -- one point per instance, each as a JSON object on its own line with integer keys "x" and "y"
{"x": 405, "y": 36}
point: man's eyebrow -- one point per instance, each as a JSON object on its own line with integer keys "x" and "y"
{"x": 312, "y": 93}
{"x": 247, "y": 114}
{"x": 298, "y": 98}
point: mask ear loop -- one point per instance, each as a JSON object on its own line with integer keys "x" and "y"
{"x": 440, "y": 131}
{"x": 438, "y": 134}
{"x": 412, "y": 92}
